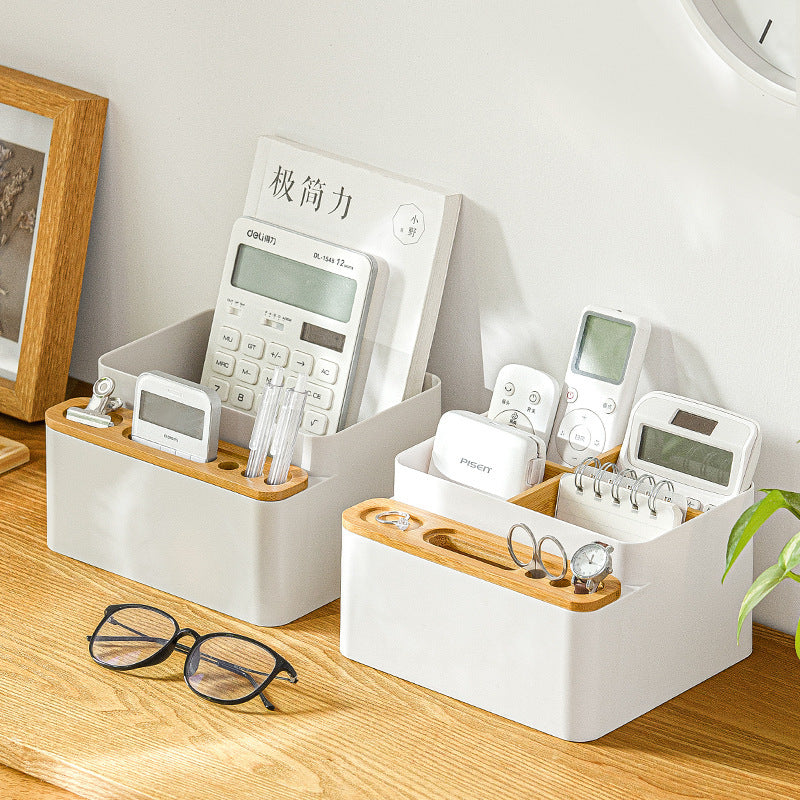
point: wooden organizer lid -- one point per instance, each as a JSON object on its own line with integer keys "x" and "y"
{"x": 225, "y": 471}
{"x": 473, "y": 552}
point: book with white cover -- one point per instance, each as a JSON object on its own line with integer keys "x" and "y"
{"x": 408, "y": 224}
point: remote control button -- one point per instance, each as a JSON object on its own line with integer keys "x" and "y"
{"x": 224, "y": 363}
{"x": 229, "y": 338}
{"x": 315, "y": 422}
{"x": 580, "y": 434}
{"x": 221, "y": 387}
{"x": 247, "y": 372}
{"x": 234, "y": 311}
{"x": 319, "y": 396}
{"x": 253, "y": 346}
{"x": 326, "y": 371}
{"x": 509, "y": 388}
{"x": 579, "y": 437}
{"x": 242, "y": 397}
{"x": 609, "y": 406}
{"x": 534, "y": 398}
{"x": 514, "y": 418}
{"x": 301, "y": 362}
{"x": 277, "y": 354}
{"x": 572, "y": 395}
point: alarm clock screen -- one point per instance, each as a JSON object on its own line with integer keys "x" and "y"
{"x": 294, "y": 283}
{"x": 604, "y": 347}
{"x": 698, "y": 459}
{"x": 171, "y": 414}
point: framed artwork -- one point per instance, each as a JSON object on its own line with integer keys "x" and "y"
{"x": 51, "y": 136}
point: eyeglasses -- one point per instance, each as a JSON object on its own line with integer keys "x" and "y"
{"x": 222, "y": 667}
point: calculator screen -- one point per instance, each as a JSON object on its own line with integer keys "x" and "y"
{"x": 698, "y": 459}
{"x": 294, "y": 283}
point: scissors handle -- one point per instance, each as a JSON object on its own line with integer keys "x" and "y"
{"x": 536, "y": 562}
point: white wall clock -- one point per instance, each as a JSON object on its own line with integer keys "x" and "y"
{"x": 758, "y": 38}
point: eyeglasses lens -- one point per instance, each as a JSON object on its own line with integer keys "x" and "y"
{"x": 131, "y": 635}
{"x": 228, "y": 668}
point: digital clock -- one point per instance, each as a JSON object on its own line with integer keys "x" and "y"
{"x": 708, "y": 453}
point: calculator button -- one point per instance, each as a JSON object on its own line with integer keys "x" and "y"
{"x": 247, "y": 371}
{"x": 326, "y": 371}
{"x": 229, "y": 338}
{"x": 242, "y": 397}
{"x": 222, "y": 388}
{"x": 319, "y": 396}
{"x": 253, "y": 346}
{"x": 301, "y": 362}
{"x": 277, "y": 354}
{"x": 224, "y": 363}
{"x": 315, "y": 422}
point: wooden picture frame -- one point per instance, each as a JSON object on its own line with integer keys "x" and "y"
{"x": 58, "y": 250}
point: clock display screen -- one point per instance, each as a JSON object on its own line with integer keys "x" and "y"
{"x": 604, "y": 348}
{"x": 171, "y": 414}
{"x": 698, "y": 459}
{"x": 294, "y": 283}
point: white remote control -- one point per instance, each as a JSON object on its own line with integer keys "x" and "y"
{"x": 599, "y": 386}
{"x": 525, "y": 398}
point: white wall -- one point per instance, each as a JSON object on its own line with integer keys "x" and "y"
{"x": 605, "y": 154}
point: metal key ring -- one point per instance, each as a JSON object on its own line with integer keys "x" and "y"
{"x": 635, "y": 490}
{"x": 536, "y": 562}
{"x": 401, "y": 522}
{"x": 618, "y": 478}
{"x": 592, "y": 461}
{"x": 609, "y": 467}
{"x": 653, "y": 493}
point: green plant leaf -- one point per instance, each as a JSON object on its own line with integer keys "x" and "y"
{"x": 790, "y": 555}
{"x": 761, "y": 587}
{"x": 797, "y": 640}
{"x": 754, "y": 517}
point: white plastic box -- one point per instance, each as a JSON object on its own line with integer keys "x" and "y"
{"x": 574, "y": 675}
{"x": 266, "y": 562}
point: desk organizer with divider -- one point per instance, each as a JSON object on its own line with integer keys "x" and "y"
{"x": 203, "y": 532}
{"x": 442, "y": 604}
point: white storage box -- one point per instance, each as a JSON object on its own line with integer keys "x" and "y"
{"x": 421, "y": 614}
{"x": 262, "y": 560}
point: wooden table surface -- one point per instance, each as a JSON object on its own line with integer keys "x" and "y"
{"x": 345, "y": 730}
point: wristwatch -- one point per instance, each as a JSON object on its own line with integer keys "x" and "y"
{"x": 590, "y": 564}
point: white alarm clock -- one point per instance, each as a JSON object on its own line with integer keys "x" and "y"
{"x": 708, "y": 453}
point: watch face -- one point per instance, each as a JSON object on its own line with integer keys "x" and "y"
{"x": 589, "y": 561}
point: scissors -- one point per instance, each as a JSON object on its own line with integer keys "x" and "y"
{"x": 536, "y": 565}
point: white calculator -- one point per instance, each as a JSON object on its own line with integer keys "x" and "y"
{"x": 290, "y": 300}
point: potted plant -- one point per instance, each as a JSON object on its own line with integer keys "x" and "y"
{"x": 744, "y": 530}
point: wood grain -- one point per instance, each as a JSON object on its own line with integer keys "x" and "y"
{"x": 344, "y": 731}
{"x": 16, "y": 785}
{"x": 225, "y": 471}
{"x": 474, "y": 552}
{"x": 65, "y": 215}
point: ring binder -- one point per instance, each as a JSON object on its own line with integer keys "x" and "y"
{"x": 604, "y": 512}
